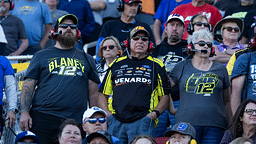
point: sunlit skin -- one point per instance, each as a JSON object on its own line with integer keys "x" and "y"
{"x": 130, "y": 10}
{"x": 139, "y": 48}
{"x": 110, "y": 53}
{"x": 178, "y": 138}
{"x": 174, "y": 30}
{"x": 70, "y": 135}
{"x": 196, "y": 28}
{"x": 205, "y": 47}
{"x": 91, "y": 128}
{"x": 230, "y": 36}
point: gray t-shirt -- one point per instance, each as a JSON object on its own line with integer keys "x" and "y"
{"x": 201, "y": 94}
{"x": 14, "y": 31}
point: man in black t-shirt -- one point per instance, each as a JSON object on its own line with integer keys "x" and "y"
{"x": 121, "y": 28}
{"x": 65, "y": 78}
{"x": 136, "y": 88}
{"x": 171, "y": 51}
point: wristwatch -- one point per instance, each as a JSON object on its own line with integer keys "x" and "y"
{"x": 225, "y": 50}
{"x": 14, "y": 110}
{"x": 157, "y": 112}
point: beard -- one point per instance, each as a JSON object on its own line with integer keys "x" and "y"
{"x": 2, "y": 9}
{"x": 175, "y": 38}
{"x": 67, "y": 40}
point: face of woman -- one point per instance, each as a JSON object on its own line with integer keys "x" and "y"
{"x": 249, "y": 117}
{"x": 109, "y": 49}
{"x": 230, "y": 31}
{"x": 70, "y": 135}
{"x": 143, "y": 141}
{"x": 203, "y": 44}
{"x": 200, "y": 24}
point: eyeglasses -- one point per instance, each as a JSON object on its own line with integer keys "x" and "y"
{"x": 109, "y": 46}
{"x": 72, "y": 26}
{"x": 94, "y": 120}
{"x": 230, "y": 29}
{"x": 143, "y": 38}
{"x": 26, "y": 143}
{"x": 202, "y": 43}
{"x": 250, "y": 111}
{"x": 199, "y": 24}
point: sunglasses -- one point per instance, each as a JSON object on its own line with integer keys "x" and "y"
{"x": 26, "y": 143}
{"x": 199, "y": 24}
{"x": 250, "y": 111}
{"x": 109, "y": 46}
{"x": 94, "y": 120}
{"x": 202, "y": 43}
{"x": 143, "y": 38}
{"x": 72, "y": 26}
{"x": 230, "y": 29}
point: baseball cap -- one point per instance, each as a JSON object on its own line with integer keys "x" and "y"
{"x": 68, "y": 16}
{"x": 175, "y": 16}
{"x": 132, "y": 1}
{"x": 89, "y": 112}
{"x": 103, "y": 134}
{"x": 26, "y": 135}
{"x": 137, "y": 29}
{"x": 183, "y": 128}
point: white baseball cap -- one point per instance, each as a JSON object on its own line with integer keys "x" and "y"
{"x": 89, "y": 112}
{"x": 175, "y": 16}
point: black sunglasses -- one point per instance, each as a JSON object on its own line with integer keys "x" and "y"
{"x": 250, "y": 111}
{"x": 199, "y": 24}
{"x": 202, "y": 43}
{"x": 94, "y": 120}
{"x": 143, "y": 38}
{"x": 72, "y": 26}
{"x": 230, "y": 29}
{"x": 109, "y": 46}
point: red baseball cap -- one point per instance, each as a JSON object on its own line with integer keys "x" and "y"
{"x": 132, "y": 1}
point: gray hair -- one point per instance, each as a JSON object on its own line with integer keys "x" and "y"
{"x": 200, "y": 33}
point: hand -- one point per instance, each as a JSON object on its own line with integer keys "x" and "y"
{"x": 42, "y": 44}
{"x": 25, "y": 121}
{"x": 14, "y": 54}
{"x": 158, "y": 41}
{"x": 173, "y": 112}
{"x": 152, "y": 115}
{"x": 11, "y": 116}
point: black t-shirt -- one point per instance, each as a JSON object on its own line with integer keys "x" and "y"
{"x": 170, "y": 56}
{"x": 62, "y": 88}
{"x": 226, "y": 4}
{"x": 136, "y": 85}
{"x": 249, "y": 25}
{"x": 121, "y": 30}
{"x": 239, "y": 11}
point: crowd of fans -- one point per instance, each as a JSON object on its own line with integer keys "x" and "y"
{"x": 188, "y": 76}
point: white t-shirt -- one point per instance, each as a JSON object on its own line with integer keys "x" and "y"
{"x": 2, "y": 35}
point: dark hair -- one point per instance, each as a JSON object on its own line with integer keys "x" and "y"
{"x": 70, "y": 122}
{"x": 237, "y": 126}
{"x": 136, "y": 138}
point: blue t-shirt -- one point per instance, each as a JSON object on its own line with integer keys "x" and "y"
{"x": 5, "y": 69}
{"x": 246, "y": 65}
{"x": 165, "y": 8}
{"x": 34, "y": 16}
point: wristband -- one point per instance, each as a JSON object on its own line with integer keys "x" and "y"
{"x": 157, "y": 112}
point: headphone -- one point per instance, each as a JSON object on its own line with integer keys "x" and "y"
{"x": 192, "y": 141}
{"x": 120, "y": 6}
{"x": 11, "y": 5}
{"x": 191, "y": 48}
{"x": 190, "y": 27}
{"x": 151, "y": 46}
{"x": 252, "y": 42}
{"x": 54, "y": 33}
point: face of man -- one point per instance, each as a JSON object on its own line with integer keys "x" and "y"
{"x": 51, "y": 2}
{"x": 99, "y": 140}
{"x": 94, "y": 127}
{"x": 175, "y": 30}
{"x": 130, "y": 10}
{"x": 4, "y": 6}
{"x": 139, "y": 44}
{"x": 68, "y": 36}
{"x": 178, "y": 138}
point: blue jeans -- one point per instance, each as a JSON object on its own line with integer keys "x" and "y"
{"x": 165, "y": 119}
{"x": 125, "y": 132}
{"x": 208, "y": 135}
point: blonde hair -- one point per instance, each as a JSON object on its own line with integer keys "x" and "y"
{"x": 102, "y": 42}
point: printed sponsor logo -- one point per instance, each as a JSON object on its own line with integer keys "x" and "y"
{"x": 124, "y": 66}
